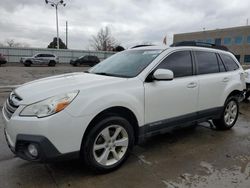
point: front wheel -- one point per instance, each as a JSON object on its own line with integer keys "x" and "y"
{"x": 229, "y": 115}
{"x": 108, "y": 144}
{"x": 27, "y": 63}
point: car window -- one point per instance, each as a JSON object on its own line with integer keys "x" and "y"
{"x": 126, "y": 63}
{"x": 179, "y": 62}
{"x": 229, "y": 63}
{"x": 207, "y": 62}
{"x": 49, "y": 55}
{"x": 221, "y": 65}
{"x": 93, "y": 58}
{"x": 83, "y": 58}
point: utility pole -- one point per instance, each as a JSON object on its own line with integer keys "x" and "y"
{"x": 55, "y": 5}
{"x": 67, "y": 34}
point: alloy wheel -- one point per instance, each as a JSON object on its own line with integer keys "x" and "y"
{"x": 110, "y": 145}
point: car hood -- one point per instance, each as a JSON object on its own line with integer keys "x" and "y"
{"x": 47, "y": 87}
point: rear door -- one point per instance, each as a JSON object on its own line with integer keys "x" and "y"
{"x": 213, "y": 80}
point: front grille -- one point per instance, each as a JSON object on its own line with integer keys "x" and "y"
{"x": 11, "y": 104}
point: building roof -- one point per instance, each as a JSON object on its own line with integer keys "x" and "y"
{"x": 247, "y": 27}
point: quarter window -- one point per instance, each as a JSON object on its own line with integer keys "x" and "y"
{"x": 178, "y": 62}
{"x": 237, "y": 57}
{"x": 229, "y": 63}
{"x": 207, "y": 62}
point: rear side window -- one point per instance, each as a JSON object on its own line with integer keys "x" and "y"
{"x": 179, "y": 62}
{"x": 229, "y": 63}
{"x": 207, "y": 62}
{"x": 49, "y": 55}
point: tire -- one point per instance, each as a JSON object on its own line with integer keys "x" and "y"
{"x": 27, "y": 63}
{"x": 229, "y": 115}
{"x": 52, "y": 63}
{"x": 108, "y": 155}
{"x": 247, "y": 95}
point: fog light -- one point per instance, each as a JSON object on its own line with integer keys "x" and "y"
{"x": 32, "y": 149}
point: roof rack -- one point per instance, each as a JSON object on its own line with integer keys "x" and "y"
{"x": 142, "y": 45}
{"x": 200, "y": 44}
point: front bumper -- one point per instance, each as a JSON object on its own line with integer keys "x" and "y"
{"x": 46, "y": 150}
{"x": 57, "y": 137}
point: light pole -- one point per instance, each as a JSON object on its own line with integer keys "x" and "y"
{"x": 56, "y": 4}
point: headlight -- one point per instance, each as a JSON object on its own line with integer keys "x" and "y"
{"x": 49, "y": 106}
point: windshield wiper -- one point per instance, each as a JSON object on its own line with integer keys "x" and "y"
{"x": 103, "y": 73}
{"x": 109, "y": 74}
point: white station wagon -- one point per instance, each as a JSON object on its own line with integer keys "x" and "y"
{"x": 101, "y": 114}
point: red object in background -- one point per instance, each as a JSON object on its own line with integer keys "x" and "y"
{"x": 2, "y": 59}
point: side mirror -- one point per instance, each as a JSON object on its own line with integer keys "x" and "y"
{"x": 163, "y": 74}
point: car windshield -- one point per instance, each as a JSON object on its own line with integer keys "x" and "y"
{"x": 126, "y": 64}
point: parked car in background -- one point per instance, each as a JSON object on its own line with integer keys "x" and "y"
{"x": 2, "y": 59}
{"x": 40, "y": 59}
{"x": 90, "y": 60}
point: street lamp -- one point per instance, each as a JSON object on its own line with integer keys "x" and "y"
{"x": 55, "y": 5}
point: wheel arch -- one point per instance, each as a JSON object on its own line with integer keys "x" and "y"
{"x": 118, "y": 111}
{"x": 234, "y": 93}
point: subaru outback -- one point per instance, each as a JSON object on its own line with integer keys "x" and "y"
{"x": 99, "y": 115}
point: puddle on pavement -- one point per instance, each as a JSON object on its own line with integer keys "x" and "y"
{"x": 209, "y": 176}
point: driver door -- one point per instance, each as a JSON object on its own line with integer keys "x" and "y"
{"x": 169, "y": 102}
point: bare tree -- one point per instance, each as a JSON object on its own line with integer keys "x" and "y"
{"x": 103, "y": 41}
{"x": 12, "y": 43}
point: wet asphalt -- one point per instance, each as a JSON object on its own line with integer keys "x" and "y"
{"x": 195, "y": 157}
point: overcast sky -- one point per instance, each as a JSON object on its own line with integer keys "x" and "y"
{"x": 131, "y": 21}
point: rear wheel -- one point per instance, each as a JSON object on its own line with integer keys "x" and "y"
{"x": 229, "y": 115}
{"x": 108, "y": 144}
{"x": 52, "y": 63}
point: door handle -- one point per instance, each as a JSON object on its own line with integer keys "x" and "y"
{"x": 226, "y": 79}
{"x": 192, "y": 85}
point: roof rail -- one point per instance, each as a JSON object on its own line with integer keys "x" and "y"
{"x": 142, "y": 45}
{"x": 200, "y": 44}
